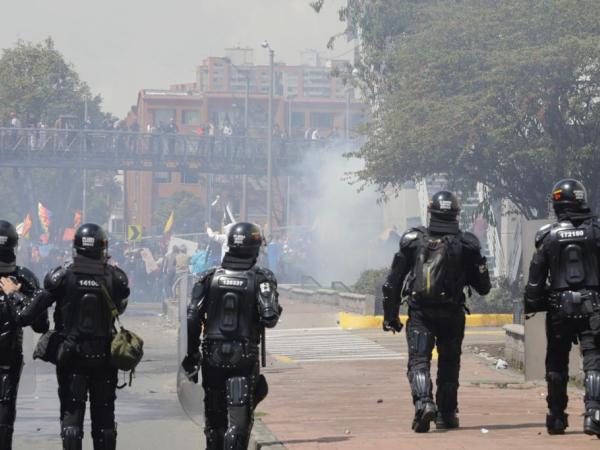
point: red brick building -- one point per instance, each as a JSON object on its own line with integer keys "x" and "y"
{"x": 306, "y": 98}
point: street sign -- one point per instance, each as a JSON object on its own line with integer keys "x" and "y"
{"x": 134, "y": 233}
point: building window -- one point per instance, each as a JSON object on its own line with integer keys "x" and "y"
{"x": 191, "y": 117}
{"x": 163, "y": 116}
{"x": 298, "y": 119}
{"x": 321, "y": 120}
{"x": 190, "y": 177}
{"x": 162, "y": 177}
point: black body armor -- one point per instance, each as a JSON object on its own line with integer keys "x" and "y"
{"x": 573, "y": 256}
{"x": 11, "y": 333}
{"x": 232, "y": 312}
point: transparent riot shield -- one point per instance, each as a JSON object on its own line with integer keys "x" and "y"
{"x": 190, "y": 394}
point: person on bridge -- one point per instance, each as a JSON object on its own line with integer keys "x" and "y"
{"x": 432, "y": 268}
{"x": 89, "y": 294}
{"x": 11, "y": 333}
{"x": 231, "y": 305}
{"x": 564, "y": 280}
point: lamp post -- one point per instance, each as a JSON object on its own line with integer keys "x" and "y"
{"x": 269, "y": 224}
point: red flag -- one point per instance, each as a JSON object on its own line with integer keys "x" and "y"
{"x": 77, "y": 219}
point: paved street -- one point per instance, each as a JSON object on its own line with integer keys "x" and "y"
{"x": 329, "y": 389}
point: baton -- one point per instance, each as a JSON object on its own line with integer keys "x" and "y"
{"x": 263, "y": 347}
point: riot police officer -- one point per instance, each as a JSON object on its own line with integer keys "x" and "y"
{"x": 89, "y": 294}
{"x": 231, "y": 304}
{"x": 11, "y": 334}
{"x": 432, "y": 268}
{"x": 564, "y": 280}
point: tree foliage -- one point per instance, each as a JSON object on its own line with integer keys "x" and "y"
{"x": 188, "y": 212}
{"x": 39, "y": 85}
{"x": 505, "y": 93}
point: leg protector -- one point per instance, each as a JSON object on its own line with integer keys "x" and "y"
{"x": 214, "y": 438}
{"x": 71, "y": 437}
{"x": 425, "y": 410}
{"x": 6, "y": 434}
{"x": 240, "y": 414}
{"x": 8, "y": 388}
{"x": 261, "y": 390}
{"x": 591, "y": 423}
{"x": 105, "y": 439}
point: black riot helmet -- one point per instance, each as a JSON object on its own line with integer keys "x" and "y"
{"x": 244, "y": 240}
{"x": 444, "y": 204}
{"x": 91, "y": 241}
{"x": 9, "y": 238}
{"x": 569, "y": 194}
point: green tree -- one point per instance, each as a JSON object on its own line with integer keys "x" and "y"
{"x": 502, "y": 93}
{"x": 188, "y": 210}
{"x": 39, "y": 85}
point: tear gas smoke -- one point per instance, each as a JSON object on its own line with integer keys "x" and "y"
{"x": 347, "y": 223}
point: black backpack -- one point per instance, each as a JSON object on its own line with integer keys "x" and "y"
{"x": 437, "y": 271}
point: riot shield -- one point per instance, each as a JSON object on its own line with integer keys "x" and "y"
{"x": 190, "y": 394}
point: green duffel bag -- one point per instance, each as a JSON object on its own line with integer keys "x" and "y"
{"x": 126, "y": 348}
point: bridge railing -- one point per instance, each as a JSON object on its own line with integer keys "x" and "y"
{"x": 26, "y": 143}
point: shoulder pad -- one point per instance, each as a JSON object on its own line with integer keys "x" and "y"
{"x": 27, "y": 276}
{"x": 410, "y": 236}
{"x": 120, "y": 276}
{"x": 470, "y": 241}
{"x": 542, "y": 233}
{"x": 206, "y": 274}
{"x": 268, "y": 274}
{"x": 54, "y": 278}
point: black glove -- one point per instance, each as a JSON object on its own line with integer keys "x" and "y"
{"x": 191, "y": 366}
{"x": 393, "y": 325}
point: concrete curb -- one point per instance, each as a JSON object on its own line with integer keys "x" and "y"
{"x": 350, "y": 321}
{"x": 263, "y": 439}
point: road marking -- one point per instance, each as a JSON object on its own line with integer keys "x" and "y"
{"x": 324, "y": 344}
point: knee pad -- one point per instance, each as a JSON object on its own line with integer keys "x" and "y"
{"x": 420, "y": 343}
{"x": 8, "y": 388}
{"x": 71, "y": 437}
{"x": 105, "y": 439}
{"x": 592, "y": 387}
{"x": 420, "y": 385}
{"x": 261, "y": 390}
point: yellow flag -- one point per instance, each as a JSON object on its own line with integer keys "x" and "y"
{"x": 169, "y": 223}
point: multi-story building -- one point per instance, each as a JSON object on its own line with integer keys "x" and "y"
{"x": 233, "y": 90}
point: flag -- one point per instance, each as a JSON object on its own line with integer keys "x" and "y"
{"x": 169, "y": 223}
{"x": 24, "y": 227}
{"x": 77, "y": 219}
{"x": 44, "y": 214}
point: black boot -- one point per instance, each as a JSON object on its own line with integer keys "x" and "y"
{"x": 425, "y": 413}
{"x": 446, "y": 400}
{"x": 447, "y": 421}
{"x": 557, "y": 422}
{"x": 6, "y": 434}
{"x": 591, "y": 423}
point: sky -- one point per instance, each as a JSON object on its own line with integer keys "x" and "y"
{"x": 121, "y": 46}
